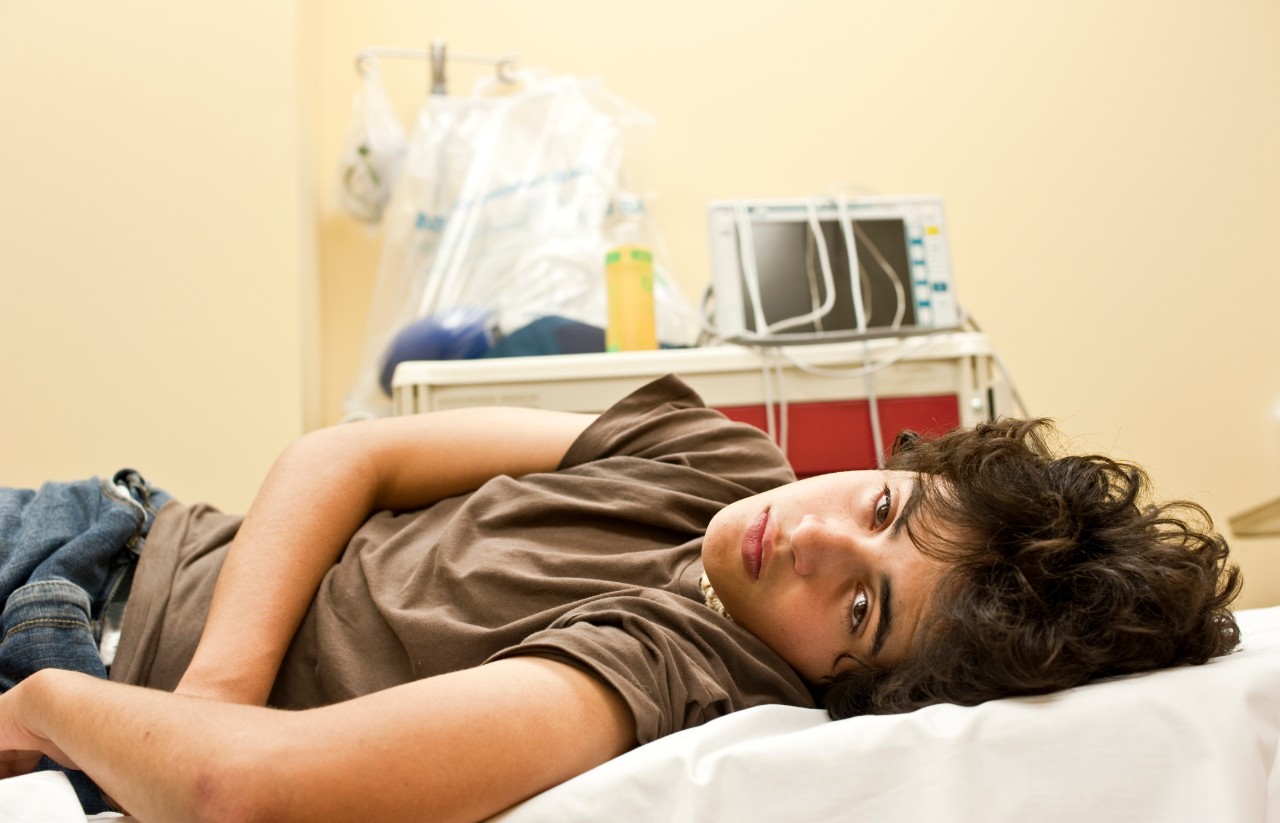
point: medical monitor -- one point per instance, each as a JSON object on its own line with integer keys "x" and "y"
{"x": 782, "y": 269}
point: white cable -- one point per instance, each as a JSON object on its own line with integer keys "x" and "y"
{"x": 830, "y": 336}
{"x": 892, "y": 273}
{"x": 746, "y": 250}
{"x": 765, "y": 336}
{"x": 769, "y": 337}
{"x": 828, "y": 280}
{"x": 770, "y": 424}
{"x": 901, "y": 352}
{"x": 784, "y": 421}
{"x": 873, "y": 405}
{"x": 751, "y": 274}
{"x": 1013, "y": 387}
{"x": 1004, "y": 371}
{"x": 811, "y": 280}
{"x": 776, "y": 411}
{"x": 855, "y": 282}
{"x": 873, "y": 402}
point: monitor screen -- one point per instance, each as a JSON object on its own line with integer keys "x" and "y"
{"x": 793, "y": 283}
{"x": 903, "y": 276}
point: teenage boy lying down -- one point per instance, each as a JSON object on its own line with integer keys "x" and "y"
{"x": 435, "y": 617}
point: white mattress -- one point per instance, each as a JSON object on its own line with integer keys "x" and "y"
{"x": 1194, "y": 743}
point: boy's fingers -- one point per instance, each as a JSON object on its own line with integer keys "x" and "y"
{"x": 16, "y": 763}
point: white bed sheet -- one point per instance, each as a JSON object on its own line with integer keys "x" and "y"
{"x": 1193, "y": 743}
{"x": 1196, "y": 743}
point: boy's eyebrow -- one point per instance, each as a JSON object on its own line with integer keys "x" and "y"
{"x": 886, "y": 616}
{"x": 905, "y": 513}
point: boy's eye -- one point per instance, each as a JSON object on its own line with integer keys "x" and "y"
{"x": 858, "y": 610}
{"x": 883, "y": 505}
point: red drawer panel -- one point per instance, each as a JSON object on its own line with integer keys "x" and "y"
{"x": 835, "y": 435}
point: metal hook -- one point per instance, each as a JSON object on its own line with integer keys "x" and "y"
{"x": 506, "y": 70}
{"x": 437, "y": 54}
{"x": 438, "y": 82}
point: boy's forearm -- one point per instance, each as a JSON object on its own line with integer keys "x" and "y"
{"x": 299, "y": 524}
{"x": 456, "y": 747}
{"x": 155, "y": 753}
{"x": 319, "y": 493}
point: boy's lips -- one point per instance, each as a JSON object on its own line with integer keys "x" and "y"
{"x": 753, "y": 545}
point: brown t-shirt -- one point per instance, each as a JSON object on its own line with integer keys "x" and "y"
{"x": 595, "y": 564}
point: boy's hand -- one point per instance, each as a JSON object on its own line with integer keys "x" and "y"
{"x": 17, "y": 763}
{"x": 20, "y": 747}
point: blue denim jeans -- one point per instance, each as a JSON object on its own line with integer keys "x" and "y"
{"x": 67, "y": 553}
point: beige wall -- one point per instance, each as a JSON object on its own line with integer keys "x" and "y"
{"x": 1109, "y": 168}
{"x": 154, "y": 283}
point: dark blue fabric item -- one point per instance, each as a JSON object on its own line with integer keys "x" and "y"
{"x": 456, "y": 334}
{"x": 553, "y": 335}
{"x": 549, "y": 335}
{"x": 65, "y": 551}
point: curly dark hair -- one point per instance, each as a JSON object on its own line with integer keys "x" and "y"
{"x": 1060, "y": 572}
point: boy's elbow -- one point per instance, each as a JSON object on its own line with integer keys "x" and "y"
{"x": 237, "y": 789}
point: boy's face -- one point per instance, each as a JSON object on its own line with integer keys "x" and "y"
{"x": 824, "y": 571}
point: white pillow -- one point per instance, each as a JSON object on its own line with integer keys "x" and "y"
{"x": 1193, "y": 743}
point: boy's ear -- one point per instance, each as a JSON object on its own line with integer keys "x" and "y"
{"x": 904, "y": 442}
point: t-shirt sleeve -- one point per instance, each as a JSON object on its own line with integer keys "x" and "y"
{"x": 675, "y": 663}
{"x": 667, "y": 421}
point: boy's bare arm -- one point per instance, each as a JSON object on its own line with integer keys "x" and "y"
{"x": 318, "y": 494}
{"x": 461, "y": 746}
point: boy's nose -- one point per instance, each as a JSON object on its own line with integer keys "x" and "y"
{"x": 818, "y": 545}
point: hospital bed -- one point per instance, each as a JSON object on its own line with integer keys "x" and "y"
{"x": 1193, "y": 743}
